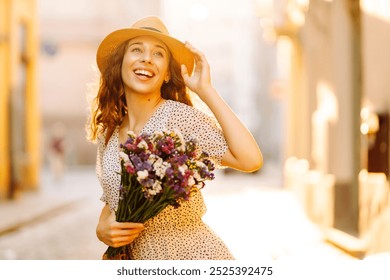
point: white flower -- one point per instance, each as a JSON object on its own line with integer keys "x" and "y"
{"x": 149, "y": 192}
{"x": 158, "y": 134}
{"x": 157, "y": 186}
{"x": 155, "y": 136}
{"x": 131, "y": 134}
{"x": 181, "y": 140}
{"x": 183, "y": 168}
{"x": 142, "y": 174}
{"x": 160, "y": 167}
{"x": 124, "y": 156}
{"x": 142, "y": 145}
{"x": 155, "y": 189}
{"x": 158, "y": 162}
{"x": 153, "y": 158}
{"x": 191, "y": 181}
{"x": 197, "y": 175}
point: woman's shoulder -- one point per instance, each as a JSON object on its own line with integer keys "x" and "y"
{"x": 177, "y": 104}
{"x": 188, "y": 118}
{"x": 101, "y": 138}
{"x": 179, "y": 108}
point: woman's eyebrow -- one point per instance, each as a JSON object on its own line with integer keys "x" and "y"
{"x": 156, "y": 46}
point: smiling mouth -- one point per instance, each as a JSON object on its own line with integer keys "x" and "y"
{"x": 144, "y": 73}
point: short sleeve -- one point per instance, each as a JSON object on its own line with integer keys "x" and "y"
{"x": 99, "y": 161}
{"x": 193, "y": 123}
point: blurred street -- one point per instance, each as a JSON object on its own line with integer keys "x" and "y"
{"x": 307, "y": 78}
{"x": 251, "y": 212}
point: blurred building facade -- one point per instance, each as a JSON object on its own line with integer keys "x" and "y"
{"x": 337, "y": 121}
{"x": 70, "y": 33}
{"x": 19, "y": 116}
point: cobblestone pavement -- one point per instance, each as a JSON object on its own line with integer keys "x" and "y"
{"x": 66, "y": 230}
{"x": 251, "y": 212}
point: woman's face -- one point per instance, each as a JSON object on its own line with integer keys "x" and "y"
{"x": 145, "y": 65}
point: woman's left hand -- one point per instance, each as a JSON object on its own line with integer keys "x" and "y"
{"x": 200, "y": 80}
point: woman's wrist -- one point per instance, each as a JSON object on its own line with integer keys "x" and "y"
{"x": 208, "y": 94}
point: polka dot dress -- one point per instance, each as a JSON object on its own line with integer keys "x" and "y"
{"x": 174, "y": 234}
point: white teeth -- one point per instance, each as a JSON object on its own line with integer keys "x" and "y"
{"x": 143, "y": 72}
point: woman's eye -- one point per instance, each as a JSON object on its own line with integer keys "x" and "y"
{"x": 136, "y": 50}
{"x": 159, "y": 54}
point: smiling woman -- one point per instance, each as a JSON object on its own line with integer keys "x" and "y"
{"x": 146, "y": 76}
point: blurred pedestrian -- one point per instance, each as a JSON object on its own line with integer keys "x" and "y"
{"x": 146, "y": 76}
{"x": 57, "y": 151}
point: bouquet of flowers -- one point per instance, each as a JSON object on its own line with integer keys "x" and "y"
{"x": 158, "y": 170}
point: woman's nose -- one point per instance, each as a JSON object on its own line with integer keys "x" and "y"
{"x": 146, "y": 57}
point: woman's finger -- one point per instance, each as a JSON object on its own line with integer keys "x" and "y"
{"x": 125, "y": 232}
{"x": 123, "y": 240}
{"x": 131, "y": 225}
{"x": 184, "y": 72}
{"x": 197, "y": 54}
{"x": 126, "y": 225}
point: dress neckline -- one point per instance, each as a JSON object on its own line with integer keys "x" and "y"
{"x": 159, "y": 108}
{"x": 157, "y": 111}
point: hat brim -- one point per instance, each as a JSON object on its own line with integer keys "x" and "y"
{"x": 180, "y": 53}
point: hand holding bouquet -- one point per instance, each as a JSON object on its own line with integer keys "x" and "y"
{"x": 156, "y": 171}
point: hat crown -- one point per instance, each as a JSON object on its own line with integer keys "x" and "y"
{"x": 151, "y": 23}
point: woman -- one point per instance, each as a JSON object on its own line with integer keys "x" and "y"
{"x": 145, "y": 74}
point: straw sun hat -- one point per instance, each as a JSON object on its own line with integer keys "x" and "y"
{"x": 151, "y": 25}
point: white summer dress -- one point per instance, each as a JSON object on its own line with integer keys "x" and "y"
{"x": 174, "y": 234}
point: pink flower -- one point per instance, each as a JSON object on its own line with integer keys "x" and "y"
{"x": 129, "y": 167}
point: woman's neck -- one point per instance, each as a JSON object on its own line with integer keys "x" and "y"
{"x": 137, "y": 105}
{"x": 139, "y": 110}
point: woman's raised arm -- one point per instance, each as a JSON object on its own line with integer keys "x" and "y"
{"x": 243, "y": 152}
